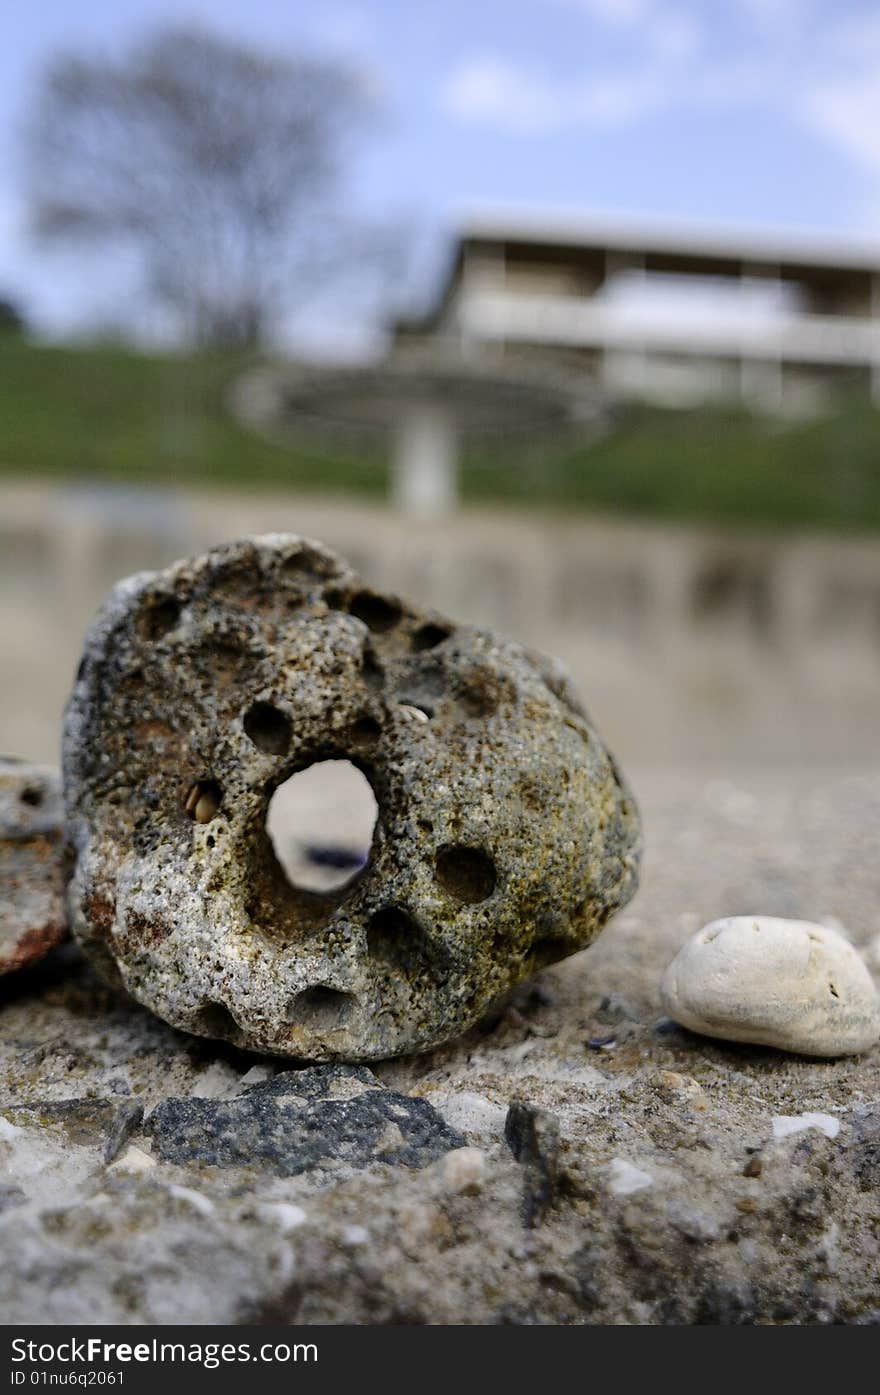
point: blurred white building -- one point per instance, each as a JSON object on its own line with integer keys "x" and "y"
{"x": 666, "y": 313}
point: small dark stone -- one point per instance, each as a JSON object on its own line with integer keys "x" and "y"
{"x": 533, "y": 1137}
{"x": 128, "y": 1118}
{"x": 304, "y": 1119}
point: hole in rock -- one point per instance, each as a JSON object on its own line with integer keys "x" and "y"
{"x": 321, "y": 824}
{"x": 322, "y": 1007}
{"x": 308, "y": 564}
{"x": 376, "y": 611}
{"x": 335, "y": 598}
{"x": 215, "y": 1020}
{"x": 396, "y": 941}
{"x": 203, "y": 799}
{"x": 393, "y": 935}
{"x": 372, "y": 672}
{"x": 429, "y": 636}
{"x": 32, "y": 795}
{"x": 465, "y": 873}
{"x": 365, "y": 731}
{"x": 158, "y": 617}
{"x": 269, "y": 729}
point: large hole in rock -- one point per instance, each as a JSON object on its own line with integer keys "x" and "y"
{"x": 429, "y": 635}
{"x": 391, "y": 935}
{"x": 468, "y": 874}
{"x": 158, "y": 617}
{"x": 322, "y": 1008}
{"x": 203, "y": 799}
{"x": 321, "y": 824}
{"x": 268, "y": 728}
{"x": 379, "y": 613}
{"x": 215, "y": 1020}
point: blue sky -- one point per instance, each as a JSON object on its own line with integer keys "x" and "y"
{"x": 761, "y": 112}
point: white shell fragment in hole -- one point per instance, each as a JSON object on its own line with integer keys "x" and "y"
{"x": 774, "y": 982}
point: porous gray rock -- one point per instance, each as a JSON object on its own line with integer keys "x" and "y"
{"x": 32, "y": 912}
{"x": 505, "y": 839}
{"x": 325, "y": 1116}
{"x": 771, "y": 981}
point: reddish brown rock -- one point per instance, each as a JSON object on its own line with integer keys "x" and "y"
{"x": 32, "y": 915}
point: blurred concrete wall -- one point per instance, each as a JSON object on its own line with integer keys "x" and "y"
{"x": 689, "y": 646}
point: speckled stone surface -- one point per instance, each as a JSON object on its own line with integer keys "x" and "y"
{"x": 505, "y": 837}
{"x": 32, "y": 913}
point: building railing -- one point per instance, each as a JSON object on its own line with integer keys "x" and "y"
{"x": 572, "y": 322}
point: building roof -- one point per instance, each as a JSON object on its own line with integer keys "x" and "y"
{"x": 573, "y": 230}
{"x": 663, "y": 245}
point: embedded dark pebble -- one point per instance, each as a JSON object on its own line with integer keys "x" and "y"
{"x": 321, "y": 1116}
{"x": 532, "y": 1135}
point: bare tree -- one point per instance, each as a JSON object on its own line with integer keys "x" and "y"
{"x": 218, "y": 164}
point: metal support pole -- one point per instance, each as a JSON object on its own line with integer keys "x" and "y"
{"x": 425, "y": 461}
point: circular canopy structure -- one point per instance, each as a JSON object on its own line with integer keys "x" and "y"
{"x": 427, "y": 408}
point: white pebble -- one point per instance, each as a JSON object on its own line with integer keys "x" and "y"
{"x": 786, "y": 983}
{"x": 464, "y": 1170}
{"x": 133, "y": 1159}
{"x": 255, "y": 1076}
{"x": 286, "y": 1215}
{"x": 199, "y": 1203}
{"x": 355, "y": 1235}
{"x": 8, "y": 1131}
{"x": 785, "y": 1124}
{"x": 627, "y": 1178}
{"x": 471, "y": 1113}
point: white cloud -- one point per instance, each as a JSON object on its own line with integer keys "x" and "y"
{"x": 492, "y": 89}
{"x": 529, "y": 102}
{"x": 824, "y": 77}
{"x": 662, "y": 29}
{"x": 840, "y": 98}
{"x": 848, "y": 113}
